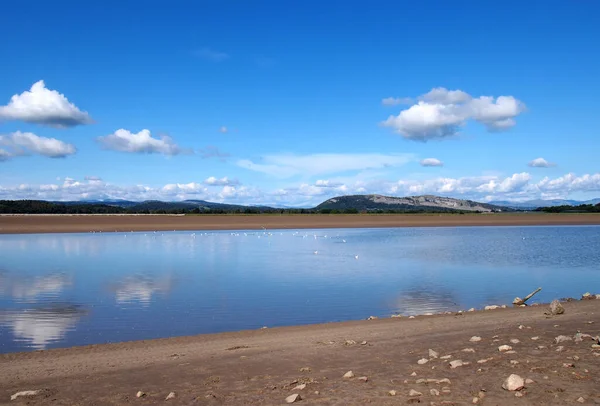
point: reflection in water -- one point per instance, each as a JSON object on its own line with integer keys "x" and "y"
{"x": 425, "y": 299}
{"x": 40, "y": 327}
{"x": 140, "y": 288}
{"x": 28, "y": 289}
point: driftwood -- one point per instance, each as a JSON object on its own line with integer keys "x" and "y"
{"x": 518, "y": 301}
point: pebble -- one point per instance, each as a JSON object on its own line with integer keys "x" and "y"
{"x": 446, "y": 390}
{"x": 24, "y": 393}
{"x": 392, "y": 393}
{"x": 529, "y": 381}
{"x": 472, "y": 309}
{"x": 519, "y": 395}
{"x": 504, "y": 348}
{"x": 446, "y": 357}
{"x": 515, "y": 341}
{"x": 581, "y": 399}
{"x": 514, "y": 361}
{"x": 422, "y": 361}
{"x": 535, "y": 338}
{"x": 413, "y": 374}
{"x": 349, "y": 375}
{"x": 556, "y": 308}
{"x": 372, "y": 318}
{"x": 475, "y": 339}
{"x": 317, "y": 392}
{"x": 140, "y": 394}
{"x": 350, "y": 342}
{"x": 561, "y": 339}
{"x": 560, "y": 348}
{"x": 170, "y": 396}
{"x": 492, "y": 307}
{"x": 510, "y": 352}
{"x": 434, "y": 392}
{"x": 293, "y": 398}
{"x": 363, "y": 378}
{"x": 475, "y": 401}
{"x": 433, "y": 354}
{"x": 421, "y": 381}
{"x": 483, "y": 361}
{"x": 468, "y": 350}
{"x": 456, "y": 363}
{"x": 444, "y": 380}
{"x": 568, "y": 365}
{"x": 300, "y": 387}
{"x": 363, "y": 343}
{"x": 305, "y": 369}
{"x": 414, "y": 393}
{"x": 411, "y": 317}
{"x": 513, "y": 383}
{"x": 396, "y": 316}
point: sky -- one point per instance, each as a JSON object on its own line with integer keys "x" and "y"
{"x": 289, "y": 103}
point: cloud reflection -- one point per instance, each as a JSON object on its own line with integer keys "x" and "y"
{"x": 26, "y": 289}
{"x": 141, "y": 288}
{"x": 43, "y": 326}
{"x": 425, "y": 299}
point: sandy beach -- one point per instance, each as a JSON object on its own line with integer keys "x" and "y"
{"x": 266, "y": 366}
{"x": 86, "y": 223}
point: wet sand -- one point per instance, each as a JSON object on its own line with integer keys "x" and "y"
{"x": 106, "y": 223}
{"x": 262, "y": 367}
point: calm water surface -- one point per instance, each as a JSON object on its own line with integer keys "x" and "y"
{"x": 59, "y": 290}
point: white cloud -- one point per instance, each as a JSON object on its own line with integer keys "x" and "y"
{"x": 518, "y": 186}
{"x": 540, "y": 163}
{"x": 211, "y": 55}
{"x": 140, "y": 289}
{"x": 285, "y": 166}
{"x": 223, "y": 129}
{"x": 19, "y": 143}
{"x": 212, "y": 181}
{"x": 395, "y": 101}
{"x": 440, "y": 113}
{"x": 431, "y": 162}
{"x": 41, "y": 105}
{"x": 142, "y": 142}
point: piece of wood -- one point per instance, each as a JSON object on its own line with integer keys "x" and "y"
{"x": 529, "y": 296}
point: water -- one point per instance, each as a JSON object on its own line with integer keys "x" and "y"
{"x": 59, "y": 290}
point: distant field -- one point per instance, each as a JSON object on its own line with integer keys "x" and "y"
{"x": 111, "y": 223}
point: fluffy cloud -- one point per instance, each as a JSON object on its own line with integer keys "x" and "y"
{"x": 223, "y": 129}
{"x": 395, "y": 101}
{"x": 211, "y": 55}
{"x": 431, "y": 162}
{"x": 440, "y": 113}
{"x": 19, "y": 144}
{"x": 212, "y": 181}
{"x": 540, "y": 163}
{"x": 285, "y": 166}
{"x": 41, "y": 105}
{"x": 518, "y": 186}
{"x": 142, "y": 142}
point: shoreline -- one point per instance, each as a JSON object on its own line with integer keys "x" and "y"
{"x": 263, "y": 366}
{"x": 30, "y": 224}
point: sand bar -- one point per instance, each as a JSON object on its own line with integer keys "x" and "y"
{"x": 107, "y": 223}
{"x": 262, "y": 367}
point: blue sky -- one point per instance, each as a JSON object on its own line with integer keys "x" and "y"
{"x": 291, "y": 103}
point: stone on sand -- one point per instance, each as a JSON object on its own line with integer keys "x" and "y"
{"x": 414, "y": 393}
{"x": 581, "y": 399}
{"x": 363, "y": 378}
{"x": 300, "y": 387}
{"x": 349, "y": 375}
{"x": 24, "y": 393}
{"x": 492, "y": 307}
{"x": 392, "y": 393}
{"x": 434, "y": 392}
{"x": 456, "y": 363}
{"x": 140, "y": 394}
{"x": 433, "y": 354}
{"x": 171, "y": 395}
{"x": 556, "y": 308}
{"x": 475, "y": 339}
{"x": 562, "y": 338}
{"x": 513, "y": 382}
{"x": 504, "y": 348}
{"x": 422, "y": 361}
{"x": 293, "y": 398}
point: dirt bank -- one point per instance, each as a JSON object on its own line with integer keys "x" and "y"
{"x": 83, "y": 223}
{"x": 263, "y": 366}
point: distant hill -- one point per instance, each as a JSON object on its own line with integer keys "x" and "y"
{"x": 427, "y": 203}
{"x": 533, "y": 204}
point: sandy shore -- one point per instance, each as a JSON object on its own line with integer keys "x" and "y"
{"x": 264, "y": 366}
{"x": 72, "y": 224}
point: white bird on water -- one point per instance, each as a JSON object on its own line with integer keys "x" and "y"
{"x": 356, "y": 257}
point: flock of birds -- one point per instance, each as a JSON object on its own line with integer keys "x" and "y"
{"x": 265, "y": 233}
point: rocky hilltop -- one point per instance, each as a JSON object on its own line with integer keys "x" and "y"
{"x": 420, "y": 203}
